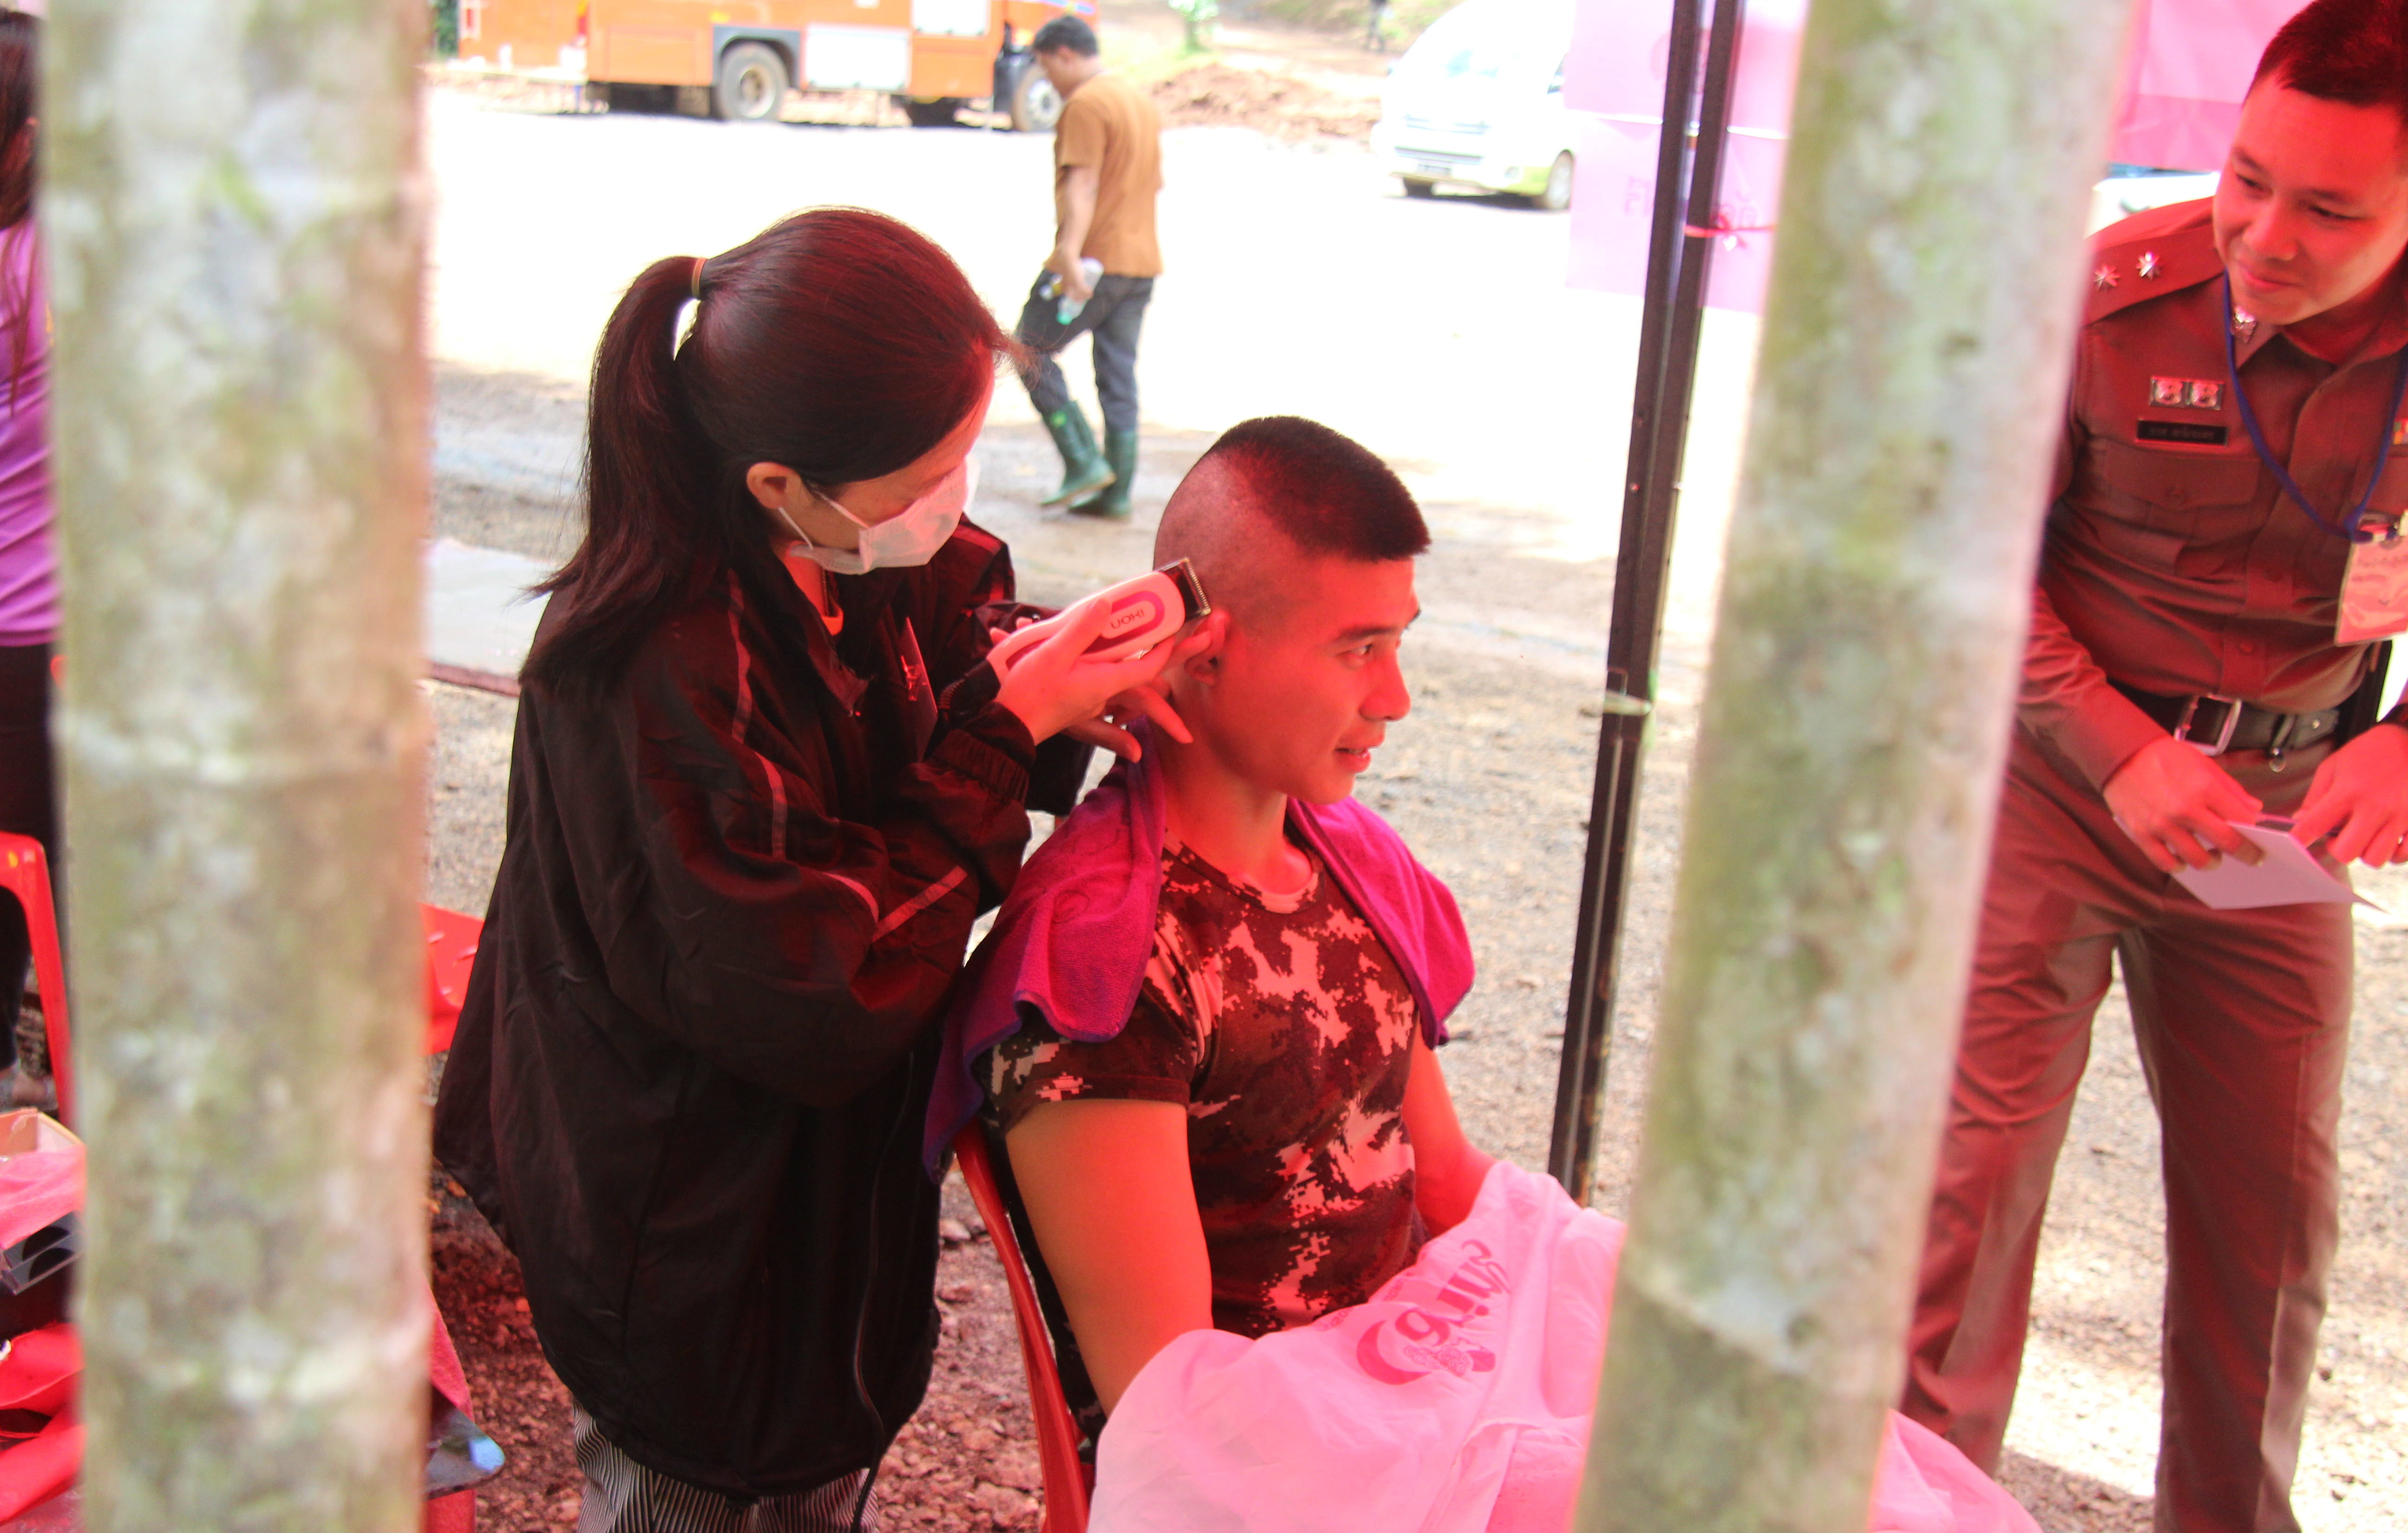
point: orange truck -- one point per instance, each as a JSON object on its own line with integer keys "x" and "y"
{"x": 741, "y": 56}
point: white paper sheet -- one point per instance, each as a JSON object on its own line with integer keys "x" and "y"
{"x": 2291, "y": 875}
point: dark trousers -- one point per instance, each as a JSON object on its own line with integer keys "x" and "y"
{"x": 2243, "y": 1022}
{"x": 1113, "y": 317}
{"x": 28, "y": 807}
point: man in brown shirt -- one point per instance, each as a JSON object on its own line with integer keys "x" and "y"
{"x": 1107, "y": 169}
{"x": 2184, "y": 673}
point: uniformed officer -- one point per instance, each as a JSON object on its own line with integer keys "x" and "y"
{"x": 2235, "y": 453}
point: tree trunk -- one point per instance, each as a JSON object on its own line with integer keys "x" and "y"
{"x": 1916, "y": 347}
{"x": 235, "y": 214}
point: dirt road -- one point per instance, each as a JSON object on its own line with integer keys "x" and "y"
{"x": 1440, "y": 335}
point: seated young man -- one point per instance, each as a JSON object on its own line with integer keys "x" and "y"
{"x": 1228, "y": 1112}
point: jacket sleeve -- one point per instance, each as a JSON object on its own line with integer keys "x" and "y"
{"x": 2066, "y": 698}
{"x": 801, "y": 952}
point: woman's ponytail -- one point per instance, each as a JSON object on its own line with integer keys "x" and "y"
{"x": 647, "y": 473}
{"x": 839, "y": 343}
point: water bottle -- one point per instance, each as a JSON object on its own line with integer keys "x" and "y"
{"x": 1065, "y": 308}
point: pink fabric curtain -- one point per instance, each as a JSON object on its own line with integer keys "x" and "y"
{"x": 2190, "y": 65}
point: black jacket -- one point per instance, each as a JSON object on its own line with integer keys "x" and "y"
{"x": 689, "y": 1078}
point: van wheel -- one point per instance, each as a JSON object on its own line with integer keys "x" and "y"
{"x": 1557, "y": 194}
{"x": 944, "y": 112}
{"x": 1419, "y": 189}
{"x": 752, "y": 84}
{"x": 1036, "y": 106}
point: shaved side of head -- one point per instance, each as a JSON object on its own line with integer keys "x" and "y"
{"x": 1271, "y": 497}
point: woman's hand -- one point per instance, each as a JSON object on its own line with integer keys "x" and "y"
{"x": 1053, "y": 688}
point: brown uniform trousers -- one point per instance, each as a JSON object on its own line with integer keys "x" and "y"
{"x": 2172, "y": 565}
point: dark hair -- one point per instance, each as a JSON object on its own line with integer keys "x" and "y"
{"x": 1326, "y": 491}
{"x": 839, "y": 343}
{"x": 1065, "y": 32}
{"x": 2353, "y": 52}
{"x": 19, "y": 73}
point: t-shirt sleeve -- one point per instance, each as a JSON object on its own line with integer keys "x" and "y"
{"x": 1079, "y": 134}
{"x": 1155, "y": 1058}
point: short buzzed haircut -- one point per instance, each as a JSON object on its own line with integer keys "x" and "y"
{"x": 1277, "y": 487}
{"x": 2353, "y": 52}
{"x": 1067, "y": 33}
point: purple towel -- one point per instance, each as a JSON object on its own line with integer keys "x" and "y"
{"x": 1071, "y": 942}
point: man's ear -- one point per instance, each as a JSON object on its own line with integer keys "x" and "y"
{"x": 1205, "y": 662}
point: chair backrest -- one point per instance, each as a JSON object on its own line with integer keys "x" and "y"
{"x": 450, "y": 954}
{"x": 26, "y": 872}
{"x": 1057, "y": 1437}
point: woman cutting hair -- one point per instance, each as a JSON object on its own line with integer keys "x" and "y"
{"x": 763, "y": 782}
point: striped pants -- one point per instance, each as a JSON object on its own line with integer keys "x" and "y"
{"x": 624, "y": 1497}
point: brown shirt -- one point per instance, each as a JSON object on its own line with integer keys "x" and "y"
{"x": 1285, "y": 1030}
{"x": 2174, "y": 561}
{"x": 1109, "y": 124}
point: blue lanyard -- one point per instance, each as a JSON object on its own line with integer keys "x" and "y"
{"x": 2352, "y": 528}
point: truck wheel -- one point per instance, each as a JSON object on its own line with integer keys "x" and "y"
{"x": 1036, "y": 106}
{"x": 752, "y": 84}
{"x": 944, "y": 112}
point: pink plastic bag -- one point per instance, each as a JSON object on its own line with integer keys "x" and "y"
{"x": 1456, "y": 1401}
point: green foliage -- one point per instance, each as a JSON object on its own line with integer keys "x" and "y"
{"x": 1405, "y": 19}
{"x": 1203, "y": 22}
{"x": 445, "y": 40}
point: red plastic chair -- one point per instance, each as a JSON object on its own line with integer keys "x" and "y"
{"x": 1068, "y": 1481}
{"x": 452, "y": 949}
{"x": 26, "y": 872}
{"x": 450, "y": 954}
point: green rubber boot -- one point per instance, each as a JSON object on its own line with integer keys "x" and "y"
{"x": 1083, "y": 468}
{"x": 1120, "y": 450}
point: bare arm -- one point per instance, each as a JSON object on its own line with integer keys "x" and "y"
{"x": 1074, "y": 214}
{"x": 1109, "y": 1194}
{"x": 1447, "y": 1170}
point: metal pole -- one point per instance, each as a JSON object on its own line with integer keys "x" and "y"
{"x": 1679, "y": 258}
{"x": 235, "y": 218}
{"x": 1867, "y": 650}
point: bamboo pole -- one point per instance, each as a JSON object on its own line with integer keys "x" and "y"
{"x": 1915, "y": 353}
{"x": 235, "y": 220}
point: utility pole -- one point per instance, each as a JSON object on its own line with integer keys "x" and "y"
{"x": 1917, "y": 342}
{"x": 235, "y": 215}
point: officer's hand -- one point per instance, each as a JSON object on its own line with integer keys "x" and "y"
{"x": 2360, "y": 797}
{"x": 2171, "y": 799}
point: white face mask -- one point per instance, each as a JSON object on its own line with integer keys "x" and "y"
{"x": 912, "y": 537}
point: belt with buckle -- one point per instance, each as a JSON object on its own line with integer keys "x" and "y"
{"x": 2213, "y": 723}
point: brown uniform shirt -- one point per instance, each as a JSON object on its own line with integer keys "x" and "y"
{"x": 1109, "y": 124}
{"x": 2174, "y": 561}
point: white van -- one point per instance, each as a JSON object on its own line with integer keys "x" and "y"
{"x": 1478, "y": 102}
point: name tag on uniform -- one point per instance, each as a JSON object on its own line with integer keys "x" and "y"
{"x": 2375, "y": 592}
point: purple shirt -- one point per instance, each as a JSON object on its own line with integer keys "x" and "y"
{"x": 29, "y": 561}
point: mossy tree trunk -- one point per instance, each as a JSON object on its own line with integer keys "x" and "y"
{"x": 235, "y": 217}
{"x": 1915, "y": 353}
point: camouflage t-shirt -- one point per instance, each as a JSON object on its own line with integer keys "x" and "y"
{"x": 1285, "y": 1029}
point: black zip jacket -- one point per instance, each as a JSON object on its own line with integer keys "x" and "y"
{"x": 688, "y": 1080}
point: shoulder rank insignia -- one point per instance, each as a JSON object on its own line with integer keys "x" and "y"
{"x": 2103, "y": 279}
{"x": 2187, "y": 392}
{"x": 2148, "y": 266}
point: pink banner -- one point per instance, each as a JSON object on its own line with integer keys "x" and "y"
{"x": 2191, "y": 64}
{"x": 1620, "y": 50}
